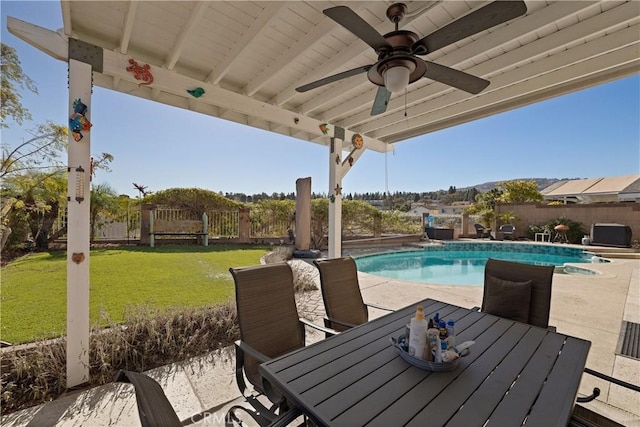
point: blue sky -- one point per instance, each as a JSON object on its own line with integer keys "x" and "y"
{"x": 587, "y": 134}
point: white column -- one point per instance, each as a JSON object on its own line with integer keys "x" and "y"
{"x": 335, "y": 198}
{"x": 78, "y": 234}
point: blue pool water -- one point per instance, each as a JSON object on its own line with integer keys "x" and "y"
{"x": 463, "y": 263}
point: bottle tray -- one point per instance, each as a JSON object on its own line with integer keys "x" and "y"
{"x": 424, "y": 364}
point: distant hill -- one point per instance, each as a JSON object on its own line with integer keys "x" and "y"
{"x": 542, "y": 183}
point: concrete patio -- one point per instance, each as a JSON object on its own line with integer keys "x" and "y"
{"x": 592, "y": 307}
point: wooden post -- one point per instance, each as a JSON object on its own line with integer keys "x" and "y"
{"x": 205, "y": 229}
{"x": 78, "y": 231}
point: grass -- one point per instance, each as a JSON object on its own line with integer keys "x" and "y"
{"x": 34, "y": 288}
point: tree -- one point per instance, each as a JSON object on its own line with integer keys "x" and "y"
{"x": 34, "y": 180}
{"x": 43, "y": 151}
{"x": 104, "y": 201}
{"x": 142, "y": 189}
{"x": 520, "y": 192}
{"x": 37, "y": 197}
{"x": 13, "y": 75}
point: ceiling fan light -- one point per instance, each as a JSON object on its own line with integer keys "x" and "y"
{"x": 396, "y": 79}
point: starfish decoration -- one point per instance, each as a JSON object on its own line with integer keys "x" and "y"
{"x": 338, "y": 190}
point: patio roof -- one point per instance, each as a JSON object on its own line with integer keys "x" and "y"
{"x": 243, "y": 60}
{"x": 249, "y": 57}
{"x": 593, "y": 190}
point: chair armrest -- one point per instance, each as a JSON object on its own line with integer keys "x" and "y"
{"x": 286, "y": 418}
{"x": 318, "y": 327}
{"x": 246, "y": 348}
{"x": 329, "y": 320}
{"x": 380, "y": 307}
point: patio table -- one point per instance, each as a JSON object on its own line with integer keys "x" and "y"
{"x": 514, "y": 373}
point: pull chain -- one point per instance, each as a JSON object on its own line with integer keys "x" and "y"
{"x": 405, "y": 102}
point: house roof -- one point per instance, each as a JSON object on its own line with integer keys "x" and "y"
{"x": 248, "y": 58}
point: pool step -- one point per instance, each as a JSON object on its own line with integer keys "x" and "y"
{"x": 621, "y": 255}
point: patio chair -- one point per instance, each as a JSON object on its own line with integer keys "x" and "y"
{"x": 343, "y": 301}
{"x": 269, "y": 327}
{"x": 482, "y": 231}
{"x": 518, "y": 291}
{"x": 507, "y": 231}
{"x": 155, "y": 410}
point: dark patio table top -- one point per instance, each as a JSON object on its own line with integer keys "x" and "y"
{"x": 515, "y": 373}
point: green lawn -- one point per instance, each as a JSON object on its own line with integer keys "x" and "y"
{"x": 34, "y": 288}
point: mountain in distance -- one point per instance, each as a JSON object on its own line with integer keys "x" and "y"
{"x": 542, "y": 183}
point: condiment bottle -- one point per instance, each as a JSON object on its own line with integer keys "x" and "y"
{"x": 451, "y": 331}
{"x": 418, "y": 334}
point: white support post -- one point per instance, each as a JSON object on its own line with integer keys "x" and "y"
{"x": 79, "y": 155}
{"x": 335, "y": 198}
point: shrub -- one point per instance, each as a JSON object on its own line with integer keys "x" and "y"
{"x": 574, "y": 235}
{"x": 148, "y": 338}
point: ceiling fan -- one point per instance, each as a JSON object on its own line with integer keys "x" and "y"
{"x": 398, "y": 64}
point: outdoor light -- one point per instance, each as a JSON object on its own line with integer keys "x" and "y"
{"x": 78, "y": 179}
{"x": 396, "y": 79}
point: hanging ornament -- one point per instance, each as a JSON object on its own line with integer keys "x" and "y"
{"x": 357, "y": 141}
{"x": 324, "y": 128}
{"x": 77, "y": 120}
{"x": 140, "y": 72}
{"x": 196, "y": 93}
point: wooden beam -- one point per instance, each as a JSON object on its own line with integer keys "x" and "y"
{"x": 192, "y": 21}
{"x": 268, "y": 15}
{"x": 129, "y": 20}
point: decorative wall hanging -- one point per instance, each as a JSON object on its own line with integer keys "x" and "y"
{"x": 77, "y": 257}
{"x": 337, "y": 159}
{"x": 324, "y": 128}
{"x": 77, "y": 121}
{"x": 140, "y": 72}
{"x": 196, "y": 93}
{"x": 357, "y": 141}
{"x": 351, "y": 161}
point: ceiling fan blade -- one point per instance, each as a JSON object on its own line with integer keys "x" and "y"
{"x": 333, "y": 78}
{"x": 358, "y": 26}
{"x": 455, "y": 78}
{"x": 381, "y": 101}
{"x": 484, "y": 18}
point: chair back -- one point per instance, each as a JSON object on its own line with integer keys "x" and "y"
{"x": 154, "y": 408}
{"x": 341, "y": 292}
{"x": 541, "y": 277}
{"x": 267, "y": 314}
{"x": 507, "y": 228}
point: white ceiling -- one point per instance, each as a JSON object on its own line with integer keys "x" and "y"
{"x": 249, "y": 56}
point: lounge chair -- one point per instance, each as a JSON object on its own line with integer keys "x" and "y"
{"x": 343, "y": 301}
{"x": 508, "y": 231}
{"x": 518, "y": 291}
{"x": 269, "y": 327}
{"x": 482, "y": 231}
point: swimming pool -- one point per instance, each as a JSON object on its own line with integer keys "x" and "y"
{"x": 463, "y": 263}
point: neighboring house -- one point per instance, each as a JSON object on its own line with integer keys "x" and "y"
{"x": 420, "y": 211}
{"x": 595, "y": 190}
{"x": 455, "y": 208}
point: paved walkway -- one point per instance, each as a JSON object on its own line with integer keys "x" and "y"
{"x": 589, "y": 307}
